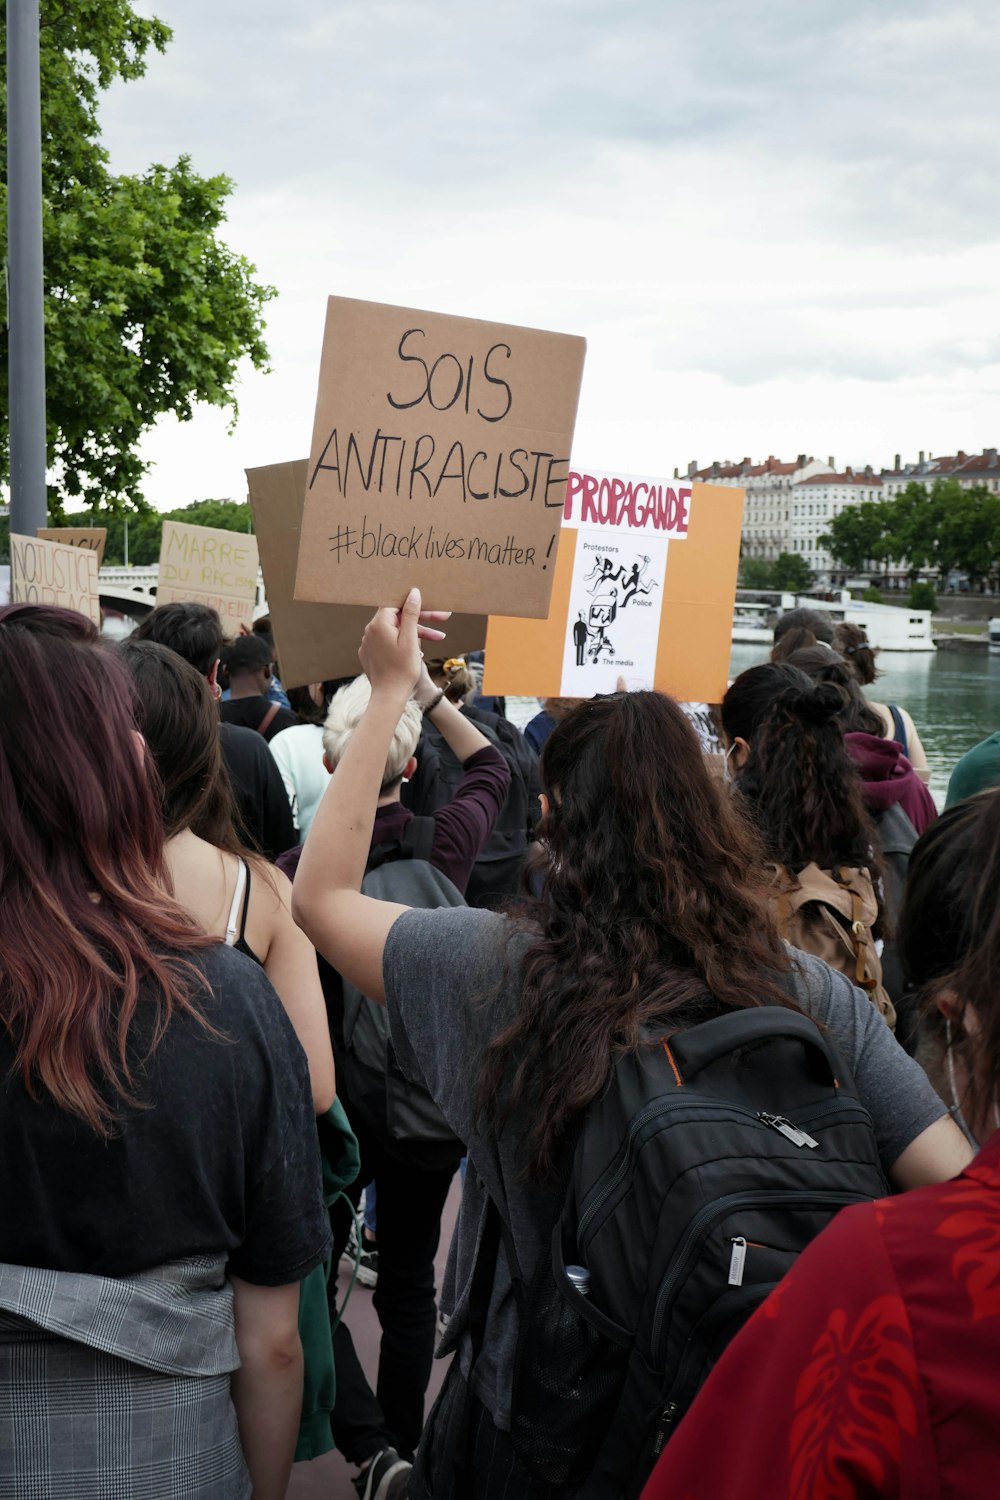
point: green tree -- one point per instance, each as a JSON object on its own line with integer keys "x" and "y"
{"x": 756, "y": 573}
{"x": 913, "y": 525}
{"x": 970, "y": 533}
{"x": 857, "y": 536}
{"x": 145, "y": 529}
{"x": 923, "y": 596}
{"x": 791, "y": 572}
{"x": 147, "y": 312}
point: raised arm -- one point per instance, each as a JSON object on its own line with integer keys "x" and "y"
{"x": 350, "y": 929}
{"x": 459, "y": 733}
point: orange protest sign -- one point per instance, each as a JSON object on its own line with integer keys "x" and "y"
{"x": 644, "y": 589}
{"x": 439, "y": 458}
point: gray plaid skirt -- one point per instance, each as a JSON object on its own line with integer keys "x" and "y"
{"x": 118, "y": 1388}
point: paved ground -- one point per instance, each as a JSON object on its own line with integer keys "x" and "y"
{"x": 329, "y": 1478}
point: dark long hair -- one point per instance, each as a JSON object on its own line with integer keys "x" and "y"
{"x": 798, "y": 782}
{"x": 851, "y": 642}
{"x": 651, "y": 902}
{"x": 180, "y": 723}
{"x": 798, "y": 628}
{"x": 85, "y": 916}
{"x": 949, "y": 933}
{"x": 821, "y": 665}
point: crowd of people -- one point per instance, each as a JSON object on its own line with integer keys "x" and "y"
{"x": 713, "y": 1040}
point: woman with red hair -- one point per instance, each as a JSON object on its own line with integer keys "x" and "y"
{"x": 160, "y": 1175}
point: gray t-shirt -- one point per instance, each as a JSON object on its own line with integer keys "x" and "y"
{"x": 452, "y": 981}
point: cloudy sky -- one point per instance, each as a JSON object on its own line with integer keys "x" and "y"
{"x": 776, "y": 222}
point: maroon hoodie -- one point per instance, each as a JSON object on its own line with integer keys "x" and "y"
{"x": 887, "y": 778}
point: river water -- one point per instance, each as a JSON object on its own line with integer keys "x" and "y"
{"x": 953, "y": 698}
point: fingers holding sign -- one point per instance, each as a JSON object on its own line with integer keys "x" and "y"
{"x": 390, "y": 647}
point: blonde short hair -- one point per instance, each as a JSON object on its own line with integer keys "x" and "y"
{"x": 346, "y": 709}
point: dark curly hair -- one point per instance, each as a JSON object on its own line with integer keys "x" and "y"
{"x": 651, "y": 905}
{"x": 858, "y": 715}
{"x": 798, "y": 782}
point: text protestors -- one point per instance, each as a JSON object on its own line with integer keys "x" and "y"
{"x": 50, "y": 573}
{"x": 439, "y": 458}
{"x": 209, "y": 566}
{"x": 644, "y": 589}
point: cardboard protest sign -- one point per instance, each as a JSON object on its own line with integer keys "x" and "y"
{"x": 93, "y": 537}
{"x": 644, "y": 589}
{"x": 49, "y": 573}
{"x": 316, "y": 642}
{"x": 209, "y": 566}
{"x": 439, "y": 458}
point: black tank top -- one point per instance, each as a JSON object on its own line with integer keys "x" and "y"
{"x": 236, "y": 937}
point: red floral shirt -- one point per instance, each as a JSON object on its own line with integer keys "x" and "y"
{"x": 872, "y": 1369}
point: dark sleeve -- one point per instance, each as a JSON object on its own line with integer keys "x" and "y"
{"x": 287, "y": 1229}
{"x": 462, "y": 827}
{"x": 283, "y": 719}
{"x": 277, "y": 826}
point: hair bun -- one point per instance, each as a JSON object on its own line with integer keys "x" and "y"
{"x": 819, "y": 703}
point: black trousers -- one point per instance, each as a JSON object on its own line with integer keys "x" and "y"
{"x": 410, "y": 1203}
{"x": 465, "y": 1456}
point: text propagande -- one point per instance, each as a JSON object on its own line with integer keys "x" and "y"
{"x": 609, "y": 500}
{"x": 415, "y": 469}
{"x": 376, "y": 540}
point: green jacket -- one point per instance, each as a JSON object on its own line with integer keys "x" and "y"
{"x": 341, "y": 1162}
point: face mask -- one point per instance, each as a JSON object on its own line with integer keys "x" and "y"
{"x": 727, "y": 774}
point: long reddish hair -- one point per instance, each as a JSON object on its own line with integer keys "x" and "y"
{"x": 85, "y": 918}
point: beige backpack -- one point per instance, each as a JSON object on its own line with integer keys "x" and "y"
{"x": 830, "y": 913}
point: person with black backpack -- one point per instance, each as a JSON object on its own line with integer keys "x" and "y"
{"x": 406, "y": 1145}
{"x": 654, "y": 1127}
{"x": 873, "y": 1370}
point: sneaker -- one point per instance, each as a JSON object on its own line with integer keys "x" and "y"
{"x": 385, "y": 1478}
{"x": 366, "y": 1260}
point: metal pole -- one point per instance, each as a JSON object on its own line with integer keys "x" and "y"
{"x": 26, "y": 361}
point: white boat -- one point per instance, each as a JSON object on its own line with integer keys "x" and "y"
{"x": 887, "y": 626}
{"x": 755, "y": 613}
{"x": 994, "y": 633}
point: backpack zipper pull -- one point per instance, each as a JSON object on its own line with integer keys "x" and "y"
{"x": 787, "y": 1129}
{"x": 666, "y": 1421}
{"x": 737, "y": 1260}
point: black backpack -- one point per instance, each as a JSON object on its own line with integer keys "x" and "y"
{"x": 497, "y": 872}
{"x": 710, "y": 1161}
{"x": 401, "y": 1114}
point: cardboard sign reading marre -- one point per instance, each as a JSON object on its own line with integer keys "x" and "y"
{"x": 439, "y": 458}
{"x": 316, "y": 642}
{"x": 206, "y": 565}
{"x": 49, "y": 573}
{"x": 93, "y": 537}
